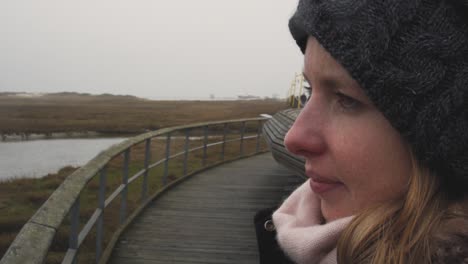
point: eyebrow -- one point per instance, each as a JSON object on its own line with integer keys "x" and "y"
{"x": 327, "y": 82}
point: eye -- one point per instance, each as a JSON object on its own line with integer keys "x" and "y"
{"x": 346, "y": 102}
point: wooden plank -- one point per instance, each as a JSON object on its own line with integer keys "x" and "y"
{"x": 209, "y": 217}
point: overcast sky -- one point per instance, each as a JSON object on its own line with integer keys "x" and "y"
{"x": 148, "y": 48}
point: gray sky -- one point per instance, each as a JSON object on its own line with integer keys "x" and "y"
{"x": 148, "y": 48}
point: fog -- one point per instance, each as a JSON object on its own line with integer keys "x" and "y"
{"x": 154, "y": 49}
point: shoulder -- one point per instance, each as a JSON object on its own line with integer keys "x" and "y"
{"x": 450, "y": 242}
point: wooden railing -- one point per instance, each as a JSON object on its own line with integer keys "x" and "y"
{"x": 36, "y": 237}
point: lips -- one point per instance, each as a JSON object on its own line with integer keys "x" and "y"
{"x": 322, "y": 185}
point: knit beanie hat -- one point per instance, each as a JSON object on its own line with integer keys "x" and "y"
{"x": 411, "y": 59}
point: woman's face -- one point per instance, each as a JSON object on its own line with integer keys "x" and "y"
{"x": 354, "y": 157}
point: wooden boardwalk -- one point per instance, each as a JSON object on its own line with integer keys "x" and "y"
{"x": 209, "y": 217}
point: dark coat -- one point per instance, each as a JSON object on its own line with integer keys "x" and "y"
{"x": 269, "y": 250}
{"x": 450, "y": 243}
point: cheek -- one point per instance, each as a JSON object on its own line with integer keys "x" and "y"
{"x": 372, "y": 160}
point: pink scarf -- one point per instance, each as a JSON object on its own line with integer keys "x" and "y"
{"x": 300, "y": 232}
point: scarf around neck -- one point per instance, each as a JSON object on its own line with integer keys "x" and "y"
{"x": 300, "y": 231}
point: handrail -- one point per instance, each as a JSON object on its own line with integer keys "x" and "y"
{"x": 34, "y": 240}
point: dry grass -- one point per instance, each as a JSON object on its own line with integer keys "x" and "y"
{"x": 117, "y": 114}
{"x": 20, "y": 198}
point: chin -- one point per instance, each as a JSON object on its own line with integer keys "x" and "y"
{"x": 333, "y": 213}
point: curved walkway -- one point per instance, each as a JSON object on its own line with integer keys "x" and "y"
{"x": 209, "y": 217}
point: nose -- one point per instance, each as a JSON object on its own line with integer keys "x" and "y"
{"x": 306, "y": 137}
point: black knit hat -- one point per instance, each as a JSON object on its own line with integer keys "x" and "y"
{"x": 411, "y": 58}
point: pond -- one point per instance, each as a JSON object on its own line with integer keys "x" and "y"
{"x": 37, "y": 158}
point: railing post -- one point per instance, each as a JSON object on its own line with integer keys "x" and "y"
{"x": 123, "y": 203}
{"x": 166, "y": 162}
{"x": 74, "y": 227}
{"x": 259, "y": 131}
{"x": 223, "y": 146}
{"x": 242, "y": 139}
{"x": 144, "y": 187}
{"x": 186, "y": 147}
{"x": 100, "y": 223}
{"x": 205, "y": 142}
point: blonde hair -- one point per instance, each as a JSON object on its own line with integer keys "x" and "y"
{"x": 399, "y": 231}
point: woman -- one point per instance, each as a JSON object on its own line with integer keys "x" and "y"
{"x": 384, "y": 133}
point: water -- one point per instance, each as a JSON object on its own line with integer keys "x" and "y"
{"x": 37, "y": 158}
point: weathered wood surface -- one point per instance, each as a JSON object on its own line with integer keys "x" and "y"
{"x": 274, "y": 132}
{"x": 209, "y": 217}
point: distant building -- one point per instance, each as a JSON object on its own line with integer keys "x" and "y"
{"x": 248, "y": 97}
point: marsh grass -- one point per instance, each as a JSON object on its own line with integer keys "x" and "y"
{"x": 68, "y": 112}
